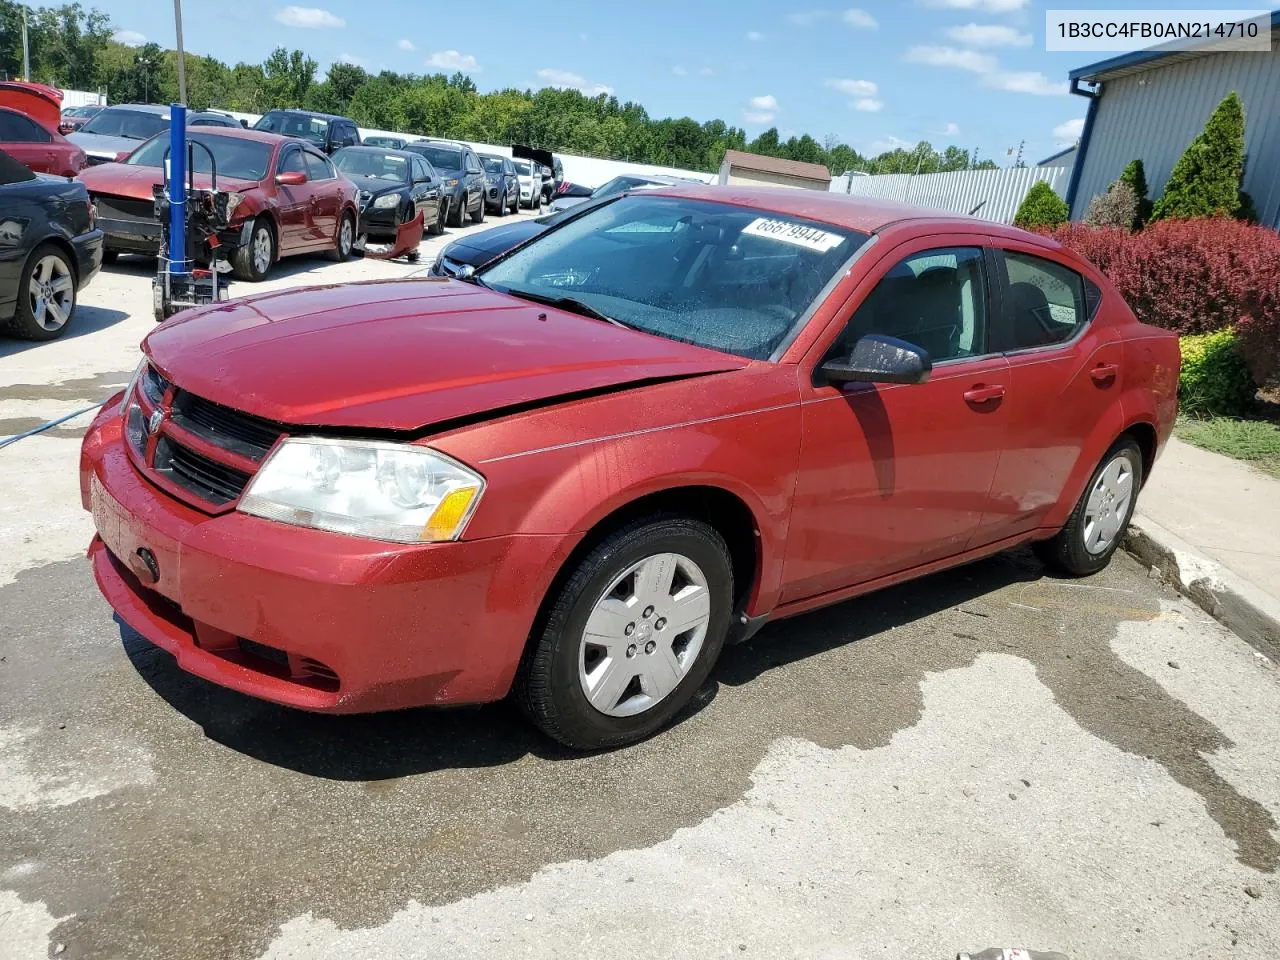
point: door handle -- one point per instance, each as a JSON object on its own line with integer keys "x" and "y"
{"x": 984, "y": 394}
{"x": 1104, "y": 373}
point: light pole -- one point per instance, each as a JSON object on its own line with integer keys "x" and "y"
{"x": 182, "y": 63}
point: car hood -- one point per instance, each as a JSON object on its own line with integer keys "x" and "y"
{"x": 483, "y": 247}
{"x": 405, "y": 354}
{"x": 136, "y": 181}
{"x": 374, "y": 185}
{"x": 95, "y": 144}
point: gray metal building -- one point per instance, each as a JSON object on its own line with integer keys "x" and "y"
{"x": 1150, "y": 104}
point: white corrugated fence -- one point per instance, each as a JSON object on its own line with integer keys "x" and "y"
{"x": 986, "y": 194}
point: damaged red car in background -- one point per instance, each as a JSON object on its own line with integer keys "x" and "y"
{"x": 286, "y": 198}
{"x": 577, "y": 474}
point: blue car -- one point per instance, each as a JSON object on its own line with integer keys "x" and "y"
{"x": 463, "y": 185}
{"x": 502, "y": 192}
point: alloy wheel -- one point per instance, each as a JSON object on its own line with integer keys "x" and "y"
{"x": 53, "y": 293}
{"x": 1108, "y": 506}
{"x": 644, "y": 634}
{"x": 345, "y": 237}
{"x": 262, "y": 250}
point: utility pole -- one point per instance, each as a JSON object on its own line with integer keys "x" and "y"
{"x": 182, "y": 64}
{"x": 26, "y": 50}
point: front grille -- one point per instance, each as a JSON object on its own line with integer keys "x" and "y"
{"x": 209, "y": 480}
{"x": 241, "y": 433}
{"x": 450, "y": 267}
{"x": 125, "y": 208}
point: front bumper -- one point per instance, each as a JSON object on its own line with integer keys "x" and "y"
{"x": 378, "y": 222}
{"x": 305, "y": 618}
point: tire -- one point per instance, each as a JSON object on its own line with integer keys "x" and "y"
{"x": 46, "y": 295}
{"x": 630, "y": 702}
{"x": 515, "y": 202}
{"x": 436, "y": 226}
{"x": 345, "y": 240}
{"x": 110, "y": 256}
{"x": 1097, "y": 525}
{"x": 502, "y": 205}
{"x": 456, "y": 214}
{"x": 478, "y": 216}
{"x": 253, "y": 262}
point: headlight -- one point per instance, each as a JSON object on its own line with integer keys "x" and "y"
{"x": 367, "y": 488}
{"x": 386, "y": 201}
{"x": 451, "y": 182}
{"x": 233, "y": 200}
{"x": 133, "y": 382}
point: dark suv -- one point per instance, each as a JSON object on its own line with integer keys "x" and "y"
{"x": 326, "y": 131}
{"x": 462, "y": 178}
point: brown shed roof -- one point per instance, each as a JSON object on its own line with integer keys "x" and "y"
{"x": 787, "y": 168}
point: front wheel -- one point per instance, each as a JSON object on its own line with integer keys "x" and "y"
{"x": 46, "y": 296}
{"x": 346, "y": 239}
{"x": 457, "y": 212}
{"x": 436, "y": 227}
{"x": 1097, "y": 524}
{"x": 478, "y": 215}
{"x": 630, "y": 636}
{"x": 253, "y": 261}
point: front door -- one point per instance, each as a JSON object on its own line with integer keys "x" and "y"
{"x": 293, "y": 202}
{"x": 893, "y": 476}
{"x": 326, "y": 199}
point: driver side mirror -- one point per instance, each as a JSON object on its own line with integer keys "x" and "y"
{"x": 291, "y": 178}
{"x": 880, "y": 359}
{"x": 123, "y": 155}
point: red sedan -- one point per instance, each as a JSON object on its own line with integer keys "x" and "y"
{"x": 286, "y": 198}
{"x": 38, "y": 147}
{"x": 578, "y": 474}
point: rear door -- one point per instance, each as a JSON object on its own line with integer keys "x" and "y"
{"x": 326, "y": 198}
{"x": 1064, "y": 374}
{"x": 28, "y": 142}
{"x": 293, "y": 202}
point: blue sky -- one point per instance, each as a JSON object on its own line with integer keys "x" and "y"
{"x": 968, "y": 72}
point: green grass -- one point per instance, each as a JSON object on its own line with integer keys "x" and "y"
{"x": 1254, "y": 441}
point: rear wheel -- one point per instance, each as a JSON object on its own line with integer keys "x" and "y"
{"x": 1098, "y": 523}
{"x": 346, "y": 239}
{"x": 46, "y": 296}
{"x": 253, "y": 261}
{"x": 631, "y": 635}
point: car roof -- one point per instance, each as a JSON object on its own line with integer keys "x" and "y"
{"x": 241, "y": 133}
{"x": 159, "y": 109}
{"x": 308, "y": 113}
{"x": 443, "y": 143}
{"x": 855, "y": 213}
{"x": 382, "y": 151}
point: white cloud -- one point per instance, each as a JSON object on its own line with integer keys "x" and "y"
{"x": 854, "y": 88}
{"x": 885, "y": 144}
{"x": 309, "y": 18}
{"x": 988, "y": 35}
{"x": 706, "y": 72}
{"x": 350, "y": 58}
{"x": 568, "y": 80}
{"x": 988, "y": 6}
{"x": 761, "y": 109}
{"x": 767, "y": 102}
{"x": 951, "y": 57}
{"x": 680, "y": 71}
{"x": 1029, "y": 81}
{"x": 453, "y": 60}
{"x": 951, "y": 130}
{"x": 130, "y": 38}
{"x": 1066, "y": 134}
{"x": 860, "y": 19}
{"x": 755, "y": 36}
{"x": 868, "y": 105}
{"x": 407, "y": 45}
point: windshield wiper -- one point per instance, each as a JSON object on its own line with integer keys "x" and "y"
{"x": 571, "y": 304}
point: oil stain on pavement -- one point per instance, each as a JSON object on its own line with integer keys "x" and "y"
{"x": 206, "y": 820}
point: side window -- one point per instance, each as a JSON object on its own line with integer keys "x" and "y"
{"x": 15, "y": 128}
{"x": 291, "y": 162}
{"x": 1045, "y": 303}
{"x": 936, "y": 299}
{"x": 473, "y": 165}
{"x": 318, "y": 168}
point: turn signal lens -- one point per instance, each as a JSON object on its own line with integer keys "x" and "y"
{"x": 449, "y": 515}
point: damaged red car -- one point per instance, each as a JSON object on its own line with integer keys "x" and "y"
{"x": 577, "y": 474}
{"x": 286, "y": 198}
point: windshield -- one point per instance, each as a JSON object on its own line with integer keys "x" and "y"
{"x": 367, "y": 163}
{"x": 131, "y": 124}
{"x": 618, "y": 185}
{"x": 522, "y": 168}
{"x": 236, "y": 158}
{"x": 720, "y": 276}
{"x": 441, "y": 157}
{"x": 298, "y": 125}
{"x": 492, "y": 165}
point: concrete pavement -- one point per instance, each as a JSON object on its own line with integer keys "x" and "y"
{"x": 1212, "y": 526}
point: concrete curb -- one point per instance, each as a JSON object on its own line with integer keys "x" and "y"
{"x": 1249, "y": 612}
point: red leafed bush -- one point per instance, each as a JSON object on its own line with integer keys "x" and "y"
{"x": 1196, "y": 276}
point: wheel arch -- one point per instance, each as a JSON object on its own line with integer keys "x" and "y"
{"x": 63, "y": 246}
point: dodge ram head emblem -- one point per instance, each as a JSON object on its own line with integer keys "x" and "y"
{"x": 154, "y": 421}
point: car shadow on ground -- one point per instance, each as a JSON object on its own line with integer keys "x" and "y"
{"x": 84, "y": 321}
{"x": 403, "y": 743}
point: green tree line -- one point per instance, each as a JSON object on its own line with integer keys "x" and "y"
{"x": 72, "y": 47}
